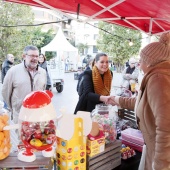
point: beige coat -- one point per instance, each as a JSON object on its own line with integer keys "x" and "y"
{"x": 153, "y": 115}
{"x": 17, "y": 84}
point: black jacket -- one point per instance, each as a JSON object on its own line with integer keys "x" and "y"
{"x": 80, "y": 77}
{"x": 88, "y": 99}
{"x": 5, "y": 67}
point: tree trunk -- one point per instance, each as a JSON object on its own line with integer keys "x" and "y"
{"x": 119, "y": 68}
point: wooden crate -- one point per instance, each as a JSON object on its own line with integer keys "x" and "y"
{"x": 127, "y": 115}
{"x": 107, "y": 160}
{"x": 12, "y": 162}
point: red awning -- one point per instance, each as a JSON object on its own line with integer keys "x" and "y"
{"x": 149, "y": 16}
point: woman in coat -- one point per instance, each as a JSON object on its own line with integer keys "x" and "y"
{"x": 152, "y": 105}
{"x": 42, "y": 63}
{"x": 96, "y": 85}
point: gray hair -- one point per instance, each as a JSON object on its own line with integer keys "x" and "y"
{"x": 30, "y": 47}
{"x": 9, "y": 55}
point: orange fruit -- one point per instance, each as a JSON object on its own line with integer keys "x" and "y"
{"x": 1, "y": 125}
{"x": 5, "y": 149}
{"x": 7, "y": 153}
{"x": 2, "y": 146}
{"x": 1, "y": 154}
{"x": 5, "y": 118}
{"x": 6, "y": 133}
{"x": 1, "y": 136}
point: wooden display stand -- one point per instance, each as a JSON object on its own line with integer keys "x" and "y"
{"x": 12, "y": 162}
{"x": 107, "y": 160}
{"x": 127, "y": 115}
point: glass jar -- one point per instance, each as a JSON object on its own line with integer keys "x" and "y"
{"x": 37, "y": 135}
{"x": 5, "y": 144}
{"x": 101, "y": 114}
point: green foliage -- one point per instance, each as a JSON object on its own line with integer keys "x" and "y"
{"x": 81, "y": 47}
{"x": 116, "y": 44}
{"x": 41, "y": 39}
{"x": 14, "y": 39}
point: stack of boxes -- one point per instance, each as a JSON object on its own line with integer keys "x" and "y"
{"x": 133, "y": 138}
{"x": 95, "y": 145}
{"x": 72, "y": 142}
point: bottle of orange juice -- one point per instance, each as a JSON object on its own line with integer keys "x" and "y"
{"x": 5, "y": 144}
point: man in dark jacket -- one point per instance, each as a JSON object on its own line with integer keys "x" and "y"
{"x": 7, "y": 64}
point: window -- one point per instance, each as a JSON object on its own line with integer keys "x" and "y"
{"x": 95, "y": 50}
{"x": 95, "y": 36}
{"x": 86, "y": 37}
{"x": 86, "y": 26}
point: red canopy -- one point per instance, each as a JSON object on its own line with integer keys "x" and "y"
{"x": 149, "y": 16}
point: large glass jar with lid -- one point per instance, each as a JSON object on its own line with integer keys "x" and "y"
{"x": 107, "y": 124}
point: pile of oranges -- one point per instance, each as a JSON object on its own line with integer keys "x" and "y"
{"x": 4, "y": 137}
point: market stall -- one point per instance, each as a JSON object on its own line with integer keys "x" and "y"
{"x": 71, "y": 141}
{"x": 149, "y": 16}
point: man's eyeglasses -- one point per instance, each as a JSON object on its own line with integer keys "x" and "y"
{"x": 33, "y": 56}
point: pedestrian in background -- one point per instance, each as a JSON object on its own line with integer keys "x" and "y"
{"x": 130, "y": 76}
{"x": 89, "y": 66}
{"x": 96, "y": 85}
{"x": 43, "y": 64}
{"x": 67, "y": 64}
{"x": 7, "y": 64}
{"x": 152, "y": 104}
{"x": 22, "y": 79}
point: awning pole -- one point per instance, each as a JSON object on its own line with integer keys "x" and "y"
{"x": 149, "y": 39}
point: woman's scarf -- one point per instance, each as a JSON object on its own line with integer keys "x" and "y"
{"x": 102, "y": 86}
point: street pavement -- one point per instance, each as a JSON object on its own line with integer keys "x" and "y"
{"x": 65, "y": 102}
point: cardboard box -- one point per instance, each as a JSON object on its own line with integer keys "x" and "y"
{"x": 95, "y": 145}
{"x": 71, "y": 141}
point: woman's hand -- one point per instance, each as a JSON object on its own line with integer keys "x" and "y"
{"x": 113, "y": 101}
{"x": 105, "y": 99}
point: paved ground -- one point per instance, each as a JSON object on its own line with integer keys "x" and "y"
{"x": 67, "y": 100}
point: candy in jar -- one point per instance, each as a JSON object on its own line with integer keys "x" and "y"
{"x": 107, "y": 126}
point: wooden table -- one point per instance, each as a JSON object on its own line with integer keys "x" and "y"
{"x": 12, "y": 162}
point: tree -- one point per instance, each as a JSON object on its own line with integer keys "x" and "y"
{"x": 41, "y": 39}
{"x": 14, "y": 39}
{"x": 115, "y": 42}
{"x": 81, "y": 47}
